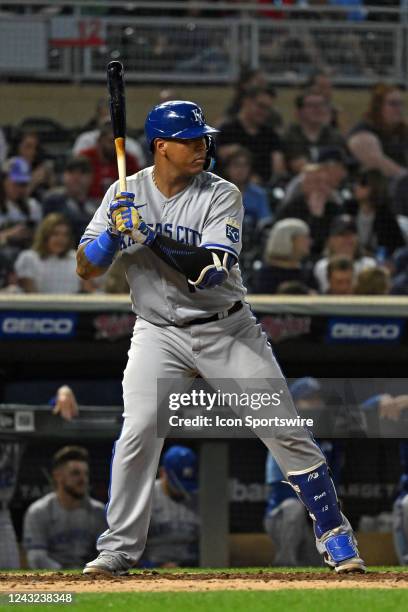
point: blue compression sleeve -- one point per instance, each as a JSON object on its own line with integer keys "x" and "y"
{"x": 101, "y": 251}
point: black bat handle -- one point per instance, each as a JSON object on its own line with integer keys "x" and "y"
{"x": 117, "y": 102}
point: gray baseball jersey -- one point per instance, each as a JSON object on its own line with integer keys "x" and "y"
{"x": 208, "y": 212}
{"x": 173, "y": 531}
{"x": 68, "y": 536}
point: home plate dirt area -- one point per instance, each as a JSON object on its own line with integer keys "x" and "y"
{"x": 154, "y": 581}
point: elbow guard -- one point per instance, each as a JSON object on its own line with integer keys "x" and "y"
{"x": 212, "y": 275}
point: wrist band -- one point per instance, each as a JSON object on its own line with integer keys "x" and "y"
{"x": 101, "y": 251}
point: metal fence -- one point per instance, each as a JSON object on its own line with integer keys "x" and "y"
{"x": 75, "y": 41}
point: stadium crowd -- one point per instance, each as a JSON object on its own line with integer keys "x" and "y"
{"x": 326, "y": 209}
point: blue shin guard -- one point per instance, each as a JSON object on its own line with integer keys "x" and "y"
{"x": 316, "y": 490}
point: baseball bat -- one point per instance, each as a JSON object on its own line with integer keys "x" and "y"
{"x": 117, "y": 105}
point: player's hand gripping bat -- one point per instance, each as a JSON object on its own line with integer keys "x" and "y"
{"x": 117, "y": 105}
{"x": 122, "y": 211}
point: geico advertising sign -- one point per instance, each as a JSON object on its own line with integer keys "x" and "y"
{"x": 36, "y": 325}
{"x": 360, "y": 329}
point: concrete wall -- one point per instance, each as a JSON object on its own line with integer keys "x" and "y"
{"x": 73, "y": 105}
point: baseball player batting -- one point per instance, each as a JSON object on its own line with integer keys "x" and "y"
{"x": 178, "y": 230}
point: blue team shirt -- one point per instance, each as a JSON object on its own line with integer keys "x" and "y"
{"x": 256, "y": 202}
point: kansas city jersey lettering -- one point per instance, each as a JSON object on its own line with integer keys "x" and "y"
{"x": 208, "y": 213}
{"x": 186, "y": 235}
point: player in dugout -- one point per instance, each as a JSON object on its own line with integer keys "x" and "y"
{"x": 172, "y": 540}
{"x": 63, "y": 404}
{"x": 61, "y": 528}
{"x": 178, "y": 228}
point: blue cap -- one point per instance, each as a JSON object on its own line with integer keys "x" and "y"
{"x": 304, "y": 388}
{"x": 176, "y": 119}
{"x": 17, "y": 170}
{"x": 181, "y": 468}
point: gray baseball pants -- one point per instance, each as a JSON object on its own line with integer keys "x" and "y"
{"x": 234, "y": 348}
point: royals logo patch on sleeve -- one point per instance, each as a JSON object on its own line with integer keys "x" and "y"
{"x": 232, "y": 229}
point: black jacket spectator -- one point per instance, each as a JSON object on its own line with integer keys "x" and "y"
{"x": 315, "y": 206}
{"x": 312, "y": 131}
{"x": 385, "y": 230}
{"x": 319, "y": 224}
{"x": 72, "y": 199}
{"x": 376, "y": 223}
{"x": 250, "y": 130}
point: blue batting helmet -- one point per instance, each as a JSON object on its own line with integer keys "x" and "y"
{"x": 180, "y": 463}
{"x": 176, "y": 119}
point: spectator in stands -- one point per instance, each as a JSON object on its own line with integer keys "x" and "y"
{"x": 296, "y": 161}
{"x": 173, "y": 537}
{"x": 315, "y": 205}
{"x": 374, "y": 281}
{"x": 89, "y": 137}
{"x": 377, "y": 225}
{"x": 102, "y": 157}
{"x": 237, "y": 168}
{"x": 42, "y": 168}
{"x": 320, "y": 82}
{"x": 248, "y": 79}
{"x": 342, "y": 240}
{"x": 72, "y": 198}
{"x": 312, "y": 131}
{"x": 60, "y": 529}
{"x": 50, "y": 265}
{"x": 250, "y": 130}
{"x": 380, "y": 140}
{"x": 65, "y": 405}
{"x": 340, "y": 275}
{"x": 100, "y": 117}
{"x": 334, "y": 162}
{"x": 287, "y": 248}
{"x": 19, "y": 213}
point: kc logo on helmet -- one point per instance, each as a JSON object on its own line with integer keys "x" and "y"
{"x": 198, "y": 116}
